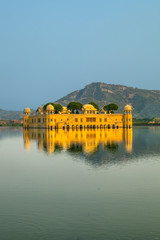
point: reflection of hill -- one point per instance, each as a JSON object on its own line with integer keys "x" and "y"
{"x": 146, "y": 140}
{"x": 93, "y": 145}
{"x": 98, "y": 147}
{"x": 9, "y": 132}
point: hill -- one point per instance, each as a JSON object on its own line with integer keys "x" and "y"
{"x": 11, "y": 115}
{"x": 145, "y": 103}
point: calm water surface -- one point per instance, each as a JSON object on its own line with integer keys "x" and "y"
{"x": 80, "y": 185}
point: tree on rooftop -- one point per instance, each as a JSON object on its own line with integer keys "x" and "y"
{"x": 57, "y": 107}
{"x": 94, "y": 105}
{"x": 106, "y": 108}
{"x": 110, "y": 108}
{"x": 74, "y": 106}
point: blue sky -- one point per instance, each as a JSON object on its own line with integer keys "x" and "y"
{"x": 50, "y": 48}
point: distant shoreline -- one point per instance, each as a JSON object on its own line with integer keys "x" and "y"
{"x": 146, "y": 124}
{"x": 11, "y": 125}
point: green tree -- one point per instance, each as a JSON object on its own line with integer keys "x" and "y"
{"x": 94, "y": 105}
{"x": 57, "y": 107}
{"x": 110, "y": 108}
{"x": 113, "y": 107}
{"x": 74, "y": 106}
{"x": 112, "y": 147}
{"x": 107, "y": 108}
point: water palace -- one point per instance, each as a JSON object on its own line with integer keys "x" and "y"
{"x": 88, "y": 118}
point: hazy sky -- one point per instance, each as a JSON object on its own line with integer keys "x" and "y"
{"x": 50, "y": 48}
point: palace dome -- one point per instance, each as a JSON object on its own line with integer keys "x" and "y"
{"x": 128, "y": 108}
{"x": 27, "y": 110}
{"x": 50, "y": 108}
{"x": 89, "y": 107}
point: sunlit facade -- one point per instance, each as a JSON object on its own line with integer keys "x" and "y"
{"x": 89, "y": 118}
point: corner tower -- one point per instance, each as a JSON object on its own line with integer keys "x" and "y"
{"x": 49, "y": 115}
{"x": 127, "y": 121}
{"x": 27, "y": 112}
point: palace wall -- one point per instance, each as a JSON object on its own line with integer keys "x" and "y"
{"x": 64, "y": 121}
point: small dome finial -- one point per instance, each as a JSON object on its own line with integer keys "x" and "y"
{"x": 50, "y": 107}
{"x": 27, "y": 110}
{"x": 127, "y": 108}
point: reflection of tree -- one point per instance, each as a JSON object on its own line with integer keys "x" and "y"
{"x": 45, "y": 147}
{"x": 57, "y": 148}
{"x": 112, "y": 147}
{"x": 105, "y": 156}
{"x": 96, "y": 147}
{"x": 75, "y": 148}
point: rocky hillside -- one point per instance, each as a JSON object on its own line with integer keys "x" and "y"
{"x": 11, "y": 115}
{"x": 145, "y": 103}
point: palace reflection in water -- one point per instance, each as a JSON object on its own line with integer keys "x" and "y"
{"x": 89, "y": 184}
{"x": 86, "y": 142}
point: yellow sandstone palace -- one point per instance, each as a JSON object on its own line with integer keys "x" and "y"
{"x": 89, "y": 118}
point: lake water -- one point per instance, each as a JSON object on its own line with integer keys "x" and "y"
{"x": 80, "y": 185}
